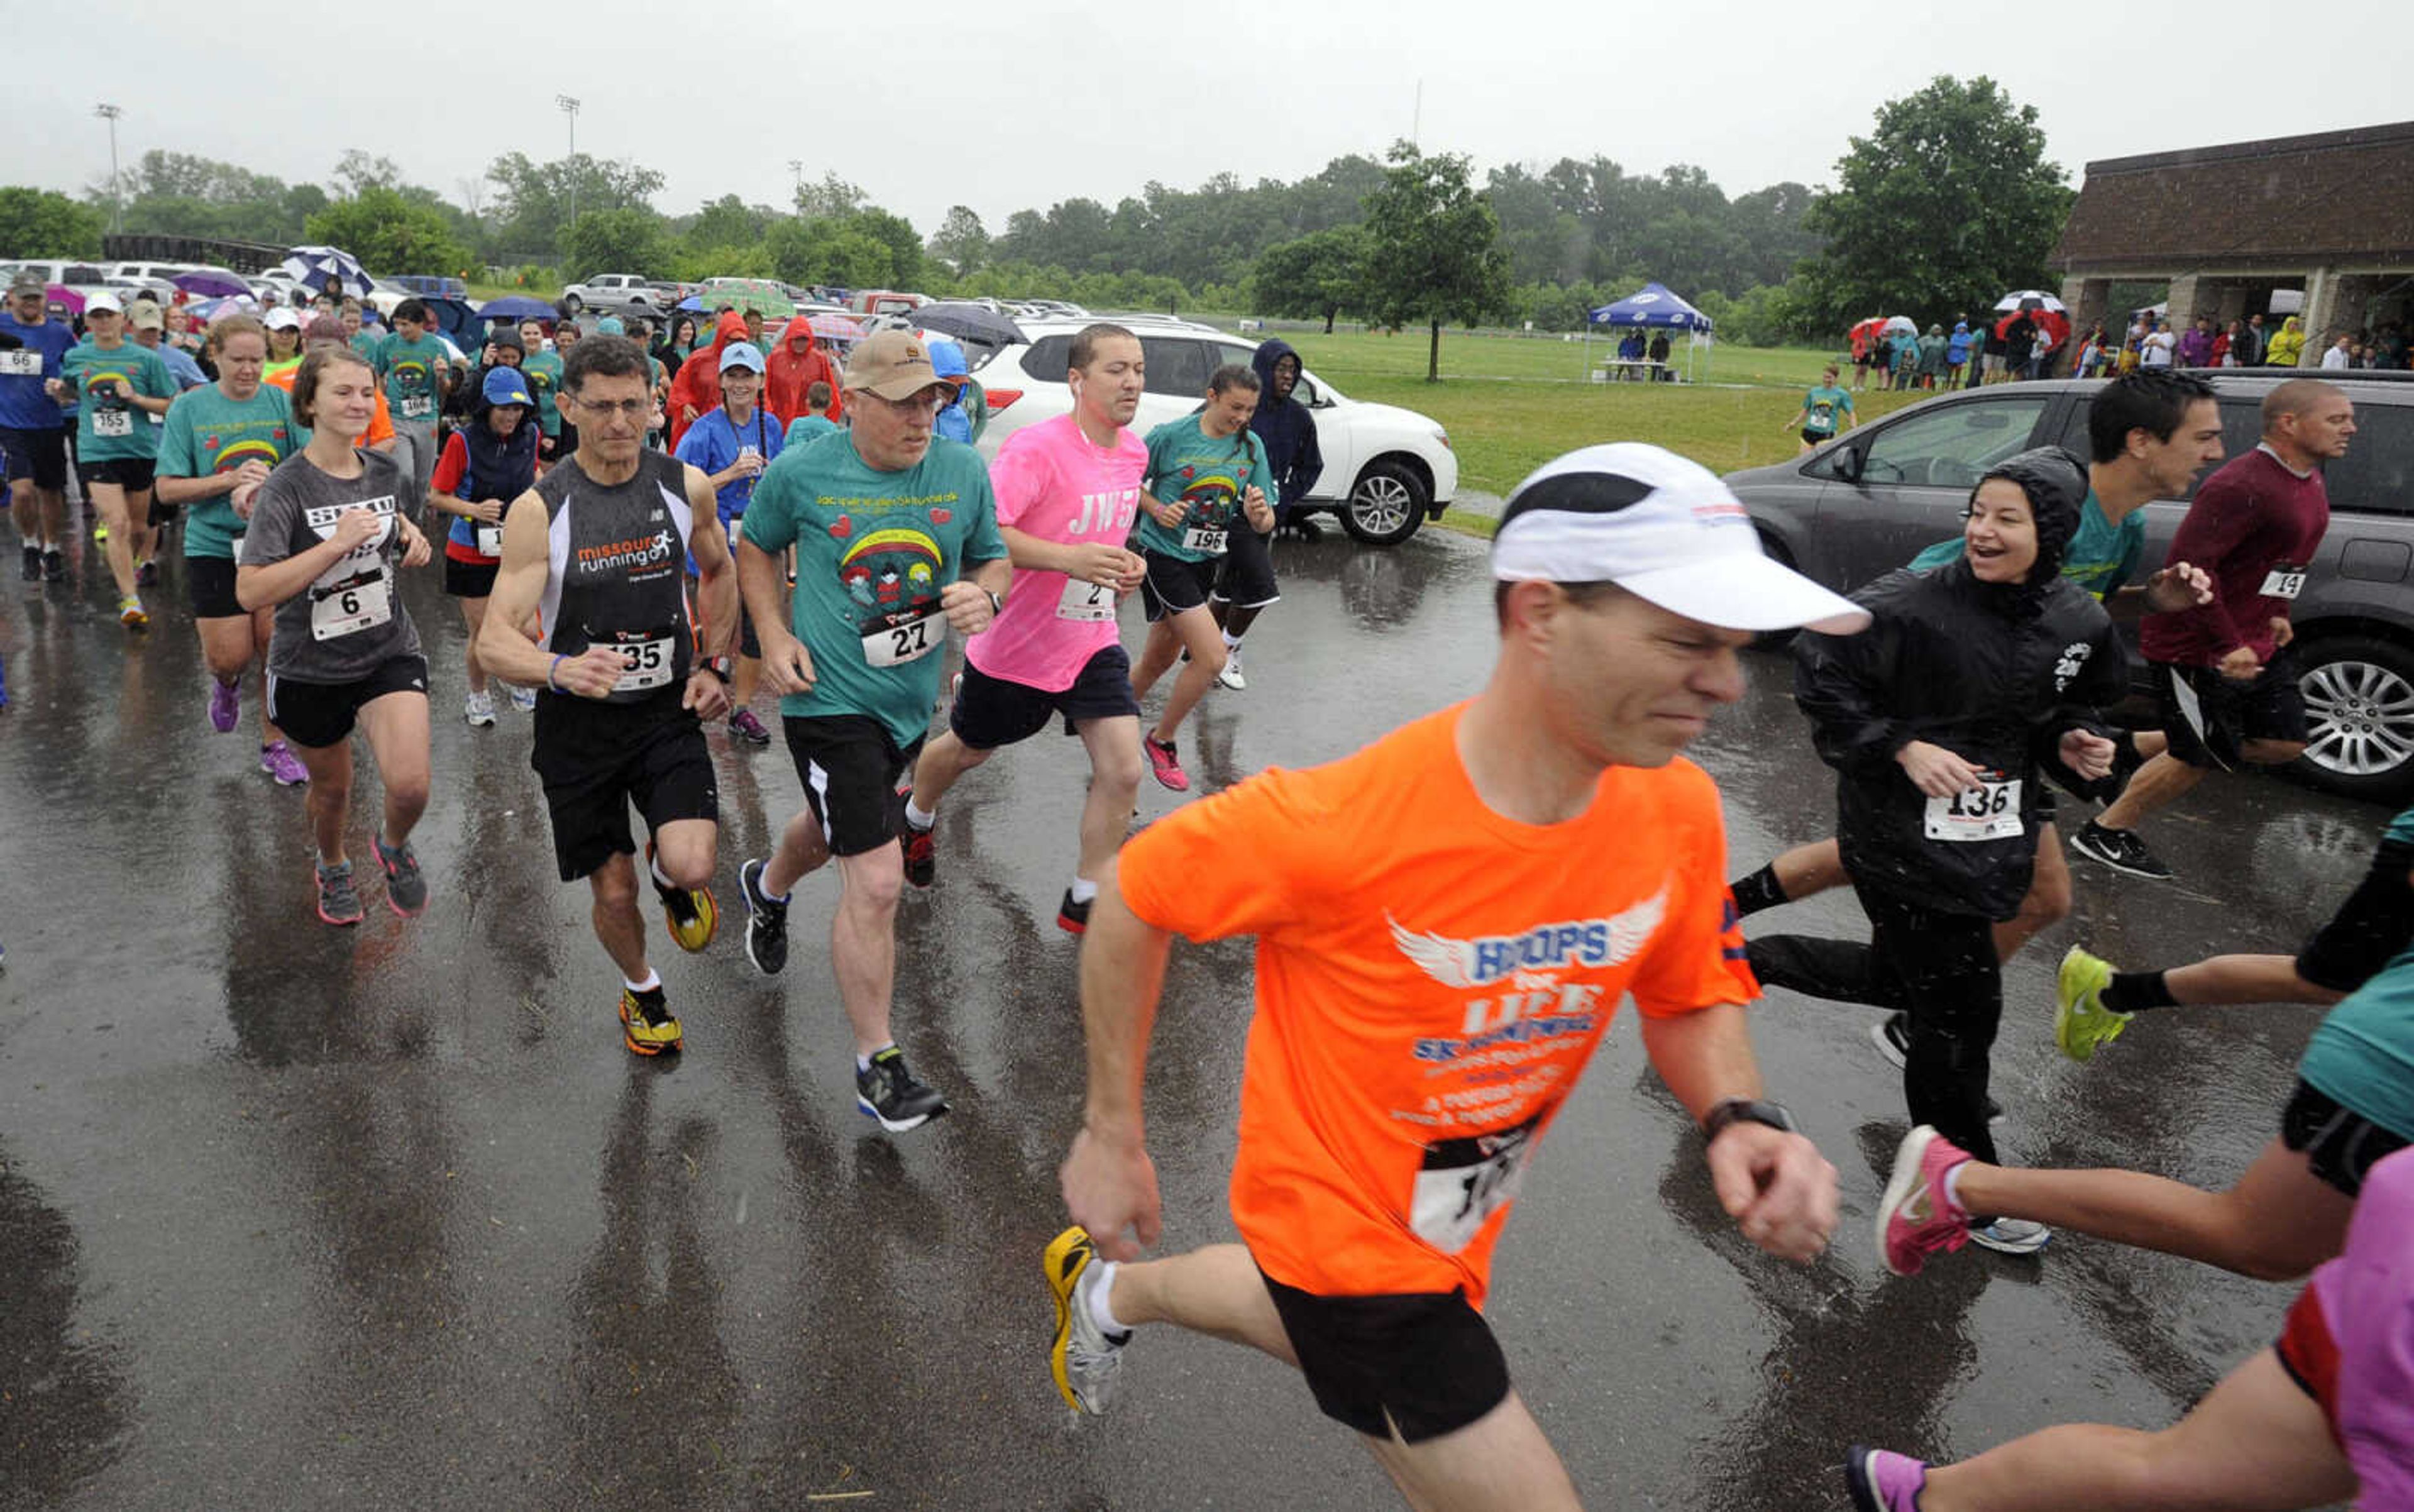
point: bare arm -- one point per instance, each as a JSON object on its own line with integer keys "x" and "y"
{"x": 1109, "y": 1184}
{"x": 1705, "y": 1057}
{"x": 716, "y": 570}
{"x": 271, "y": 584}
{"x": 762, "y": 580}
{"x": 504, "y": 644}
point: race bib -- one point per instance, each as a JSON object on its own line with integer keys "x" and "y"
{"x": 907, "y": 642}
{"x": 488, "y": 536}
{"x": 1465, "y": 1181}
{"x": 358, "y": 604}
{"x": 1988, "y": 812}
{"x": 417, "y": 407}
{"x": 1090, "y": 603}
{"x": 24, "y": 362}
{"x": 2283, "y": 582}
{"x": 1203, "y": 538}
{"x": 112, "y": 422}
{"x": 644, "y": 664}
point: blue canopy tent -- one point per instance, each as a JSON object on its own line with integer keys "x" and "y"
{"x": 1654, "y": 308}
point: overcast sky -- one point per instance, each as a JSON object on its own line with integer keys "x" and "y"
{"x": 1004, "y": 106}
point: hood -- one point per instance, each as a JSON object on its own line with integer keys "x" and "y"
{"x": 1270, "y": 352}
{"x": 2056, "y": 482}
{"x": 731, "y": 327}
{"x": 799, "y": 325}
{"x": 2291, "y": 323}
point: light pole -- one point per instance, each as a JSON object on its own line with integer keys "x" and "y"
{"x": 569, "y": 107}
{"x": 797, "y": 166}
{"x": 116, "y": 189}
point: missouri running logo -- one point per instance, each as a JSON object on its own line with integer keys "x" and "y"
{"x": 1591, "y": 942}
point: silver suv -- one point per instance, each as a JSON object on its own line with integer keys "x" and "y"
{"x": 619, "y": 294}
{"x": 1869, "y": 500}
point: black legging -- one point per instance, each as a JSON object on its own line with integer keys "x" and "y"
{"x": 1939, "y": 968}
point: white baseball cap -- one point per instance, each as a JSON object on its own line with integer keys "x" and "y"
{"x": 104, "y": 300}
{"x": 1663, "y": 528}
{"x": 282, "y": 319}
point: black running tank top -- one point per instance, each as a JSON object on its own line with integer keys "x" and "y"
{"x": 619, "y": 570}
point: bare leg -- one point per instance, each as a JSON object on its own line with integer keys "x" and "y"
{"x": 1215, "y": 1291}
{"x": 331, "y": 794}
{"x": 473, "y": 615}
{"x": 2156, "y": 783}
{"x": 617, "y": 922}
{"x": 748, "y": 678}
{"x": 1500, "y": 1462}
{"x": 396, "y": 726}
{"x": 801, "y": 850}
{"x": 2245, "y": 978}
{"x": 226, "y": 646}
{"x": 2047, "y": 901}
{"x": 1808, "y": 869}
{"x": 943, "y": 760}
{"x": 1198, "y": 636}
{"x": 2270, "y": 752}
{"x": 109, "y": 501}
{"x": 1157, "y": 653}
{"x": 863, "y": 941}
{"x": 26, "y": 510}
{"x": 263, "y": 625}
{"x": 1235, "y": 620}
{"x": 686, "y": 851}
{"x": 1114, "y": 788}
{"x": 55, "y": 517}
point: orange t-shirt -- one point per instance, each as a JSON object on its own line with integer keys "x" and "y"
{"x": 380, "y": 424}
{"x": 1432, "y": 978}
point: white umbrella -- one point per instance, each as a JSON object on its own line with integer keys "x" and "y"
{"x": 2031, "y": 299}
{"x": 1899, "y": 322}
{"x": 310, "y": 265}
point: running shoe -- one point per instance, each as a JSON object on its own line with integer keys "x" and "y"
{"x": 748, "y": 728}
{"x": 2012, "y": 1236}
{"x": 406, "y": 887}
{"x": 1892, "y": 1035}
{"x": 2120, "y": 850}
{"x": 146, "y": 574}
{"x": 131, "y": 615}
{"x": 339, "y": 901}
{"x": 277, "y": 759}
{"x": 922, "y": 854}
{"x": 2081, "y": 1021}
{"x": 888, "y": 1090}
{"x": 1084, "y": 1358}
{"x": 33, "y": 563}
{"x": 1881, "y": 1480}
{"x": 1164, "y": 764}
{"x": 226, "y": 706}
{"x": 1073, "y": 918}
{"x": 478, "y": 709}
{"x": 767, "y": 922}
{"x": 647, "y": 1026}
{"x": 54, "y": 566}
{"x": 100, "y": 532}
{"x": 1918, "y": 1217}
{"x": 1231, "y": 677}
{"x": 523, "y": 699}
{"x": 691, "y": 914}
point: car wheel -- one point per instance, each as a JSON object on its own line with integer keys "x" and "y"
{"x": 572, "y": 303}
{"x": 2359, "y": 693}
{"x": 1386, "y": 506}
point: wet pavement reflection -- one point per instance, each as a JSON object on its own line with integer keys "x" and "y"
{"x": 386, "y": 1217}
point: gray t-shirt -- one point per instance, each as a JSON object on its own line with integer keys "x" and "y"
{"x": 351, "y": 620}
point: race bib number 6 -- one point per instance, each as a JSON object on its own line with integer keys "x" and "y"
{"x": 901, "y": 643}
{"x": 1990, "y": 811}
{"x": 1090, "y": 603}
{"x": 1465, "y": 1181}
{"x": 2283, "y": 582}
{"x": 362, "y": 605}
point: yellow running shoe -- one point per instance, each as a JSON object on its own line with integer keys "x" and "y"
{"x": 1084, "y": 1358}
{"x": 2081, "y": 1020}
{"x": 645, "y": 1022}
{"x": 692, "y": 915}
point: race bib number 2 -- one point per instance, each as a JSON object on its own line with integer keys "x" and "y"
{"x": 1990, "y": 811}
{"x": 1089, "y": 602}
{"x": 2283, "y": 582}
{"x": 1462, "y": 1182}
{"x": 909, "y": 642}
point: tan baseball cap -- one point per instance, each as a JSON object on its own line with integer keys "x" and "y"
{"x": 145, "y": 314}
{"x": 892, "y": 363}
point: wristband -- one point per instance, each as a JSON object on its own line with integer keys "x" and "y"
{"x": 1745, "y": 1110}
{"x": 550, "y": 671}
{"x": 717, "y": 665}
{"x": 996, "y": 605}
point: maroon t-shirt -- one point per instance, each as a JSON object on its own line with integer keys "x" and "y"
{"x": 2252, "y": 526}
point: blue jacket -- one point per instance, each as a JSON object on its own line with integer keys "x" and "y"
{"x": 1286, "y": 430}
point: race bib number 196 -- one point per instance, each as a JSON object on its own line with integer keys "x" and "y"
{"x": 1465, "y": 1181}
{"x": 1988, "y": 812}
{"x": 907, "y": 642}
{"x": 1203, "y": 538}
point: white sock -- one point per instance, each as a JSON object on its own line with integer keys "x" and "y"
{"x": 655, "y": 866}
{"x": 1085, "y": 890}
{"x": 1231, "y": 641}
{"x": 1953, "y": 1185}
{"x": 918, "y": 816}
{"x": 863, "y": 1063}
{"x": 653, "y": 982}
{"x": 1100, "y": 1313}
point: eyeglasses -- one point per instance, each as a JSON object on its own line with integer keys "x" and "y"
{"x": 624, "y": 409}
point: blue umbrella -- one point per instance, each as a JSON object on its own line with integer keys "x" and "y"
{"x": 691, "y": 302}
{"x": 311, "y": 266}
{"x": 516, "y": 307}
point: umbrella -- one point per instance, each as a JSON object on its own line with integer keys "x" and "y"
{"x": 59, "y": 296}
{"x": 976, "y": 324}
{"x": 311, "y": 265}
{"x": 211, "y": 285}
{"x": 516, "y": 307}
{"x": 837, "y": 327}
{"x": 1899, "y": 322}
{"x": 692, "y": 303}
{"x": 210, "y": 309}
{"x": 2031, "y": 299}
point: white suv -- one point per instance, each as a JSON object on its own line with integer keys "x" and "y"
{"x": 1387, "y": 469}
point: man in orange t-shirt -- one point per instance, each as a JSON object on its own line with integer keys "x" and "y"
{"x": 1445, "y": 922}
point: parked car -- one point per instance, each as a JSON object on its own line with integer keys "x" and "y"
{"x": 617, "y": 293}
{"x": 1387, "y": 469}
{"x": 431, "y": 285}
{"x": 1871, "y": 499}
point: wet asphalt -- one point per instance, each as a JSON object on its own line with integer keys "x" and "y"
{"x": 293, "y": 1217}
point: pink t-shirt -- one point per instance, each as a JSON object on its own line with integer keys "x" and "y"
{"x": 1050, "y": 482}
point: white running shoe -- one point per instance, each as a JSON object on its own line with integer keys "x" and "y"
{"x": 1231, "y": 677}
{"x": 479, "y": 709}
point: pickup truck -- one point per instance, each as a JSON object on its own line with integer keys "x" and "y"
{"x": 617, "y": 293}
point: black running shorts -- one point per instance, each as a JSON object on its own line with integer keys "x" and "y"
{"x": 131, "y": 473}
{"x": 209, "y": 585}
{"x": 850, "y": 764}
{"x": 2340, "y": 1145}
{"x": 2268, "y": 708}
{"x": 1246, "y": 579}
{"x": 39, "y": 454}
{"x": 1418, "y": 1364}
{"x": 2371, "y": 929}
{"x": 321, "y": 714}
{"x": 1174, "y": 584}
{"x": 992, "y": 712}
{"x": 596, "y": 760}
{"x": 470, "y": 579}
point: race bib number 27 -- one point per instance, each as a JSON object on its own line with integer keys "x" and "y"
{"x": 901, "y": 643}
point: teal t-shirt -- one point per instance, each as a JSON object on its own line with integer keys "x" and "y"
{"x": 542, "y": 370}
{"x": 1210, "y": 473}
{"x": 1826, "y": 406}
{"x": 2361, "y": 1055}
{"x": 109, "y": 429}
{"x": 2400, "y": 831}
{"x": 2099, "y": 559}
{"x": 208, "y": 433}
{"x": 366, "y": 343}
{"x": 807, "y": 428}
{"x": 408, "y": 368}
{"x": 874, "y": 550}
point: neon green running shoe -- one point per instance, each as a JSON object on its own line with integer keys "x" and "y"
{"x": 2081, "y": 1020}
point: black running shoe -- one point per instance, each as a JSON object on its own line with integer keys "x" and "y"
{"x": 767, "y": 922}
{"x": 2120, "y": 850}
{"x": 1073, "y": 918}
{"x": 1892, "y": 1035}
{"x": 55, "y": 566}
{"x": 921, "y": 855}
{"x": 888, "y": 1090}
{"x": 33, "y": 565}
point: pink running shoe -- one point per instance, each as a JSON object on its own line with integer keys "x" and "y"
{"x": 1881, "y": 1480}
{"x": 1918, "y": 1217}
{"x": 226, "y": 705}
{"x": 1164, "y": 764}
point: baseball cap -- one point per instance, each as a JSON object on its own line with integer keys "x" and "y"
{"x": 507, "y": 335}
{"x": 283, "y": 319}
{"x": 503, "y": 385}
{"x": 104, "y": 300}
{"x": 1665, "y": 530}
{"x": 744, "y": 354}
{"x": 324, "y": 328}
{"x": 145, "y": 313}
{"x": 610, "y": 325}
{"x": 892, "y": 363}
{"x": 27, "y": 281}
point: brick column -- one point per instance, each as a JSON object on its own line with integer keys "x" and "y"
{"x": 2085, "y": 298}
{"x": 2320, "y": 314}
{"x": 2191, "y": 296}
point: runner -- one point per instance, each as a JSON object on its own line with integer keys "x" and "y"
{"x": 325, "y": 335}
{"x": 412, "y": 364}
{"x": 1826, "y": 412}
{"x": 594, "y": 554}
{"x": 799, "y": 368}
{"x": 327, "y": 527}
{"x": 483, "y": 471}
{"x": 1937, "y": 720}
{"x": 731, "y": 445}
{"x": 542, "y": 366}
{"x": 697, "y": 387}
{"x": 146, "y": 326}
{"x": 284, "y": 347}
{"x": 1067, "y": 492}
{"x": 112, "y": 379}
{"x": 2321, "y": 1418}
{"x": 1245, "y": 586}
{"x": 897, "y": 541}
{"x": 1203, "y": 470}
{"x": 216, "y": 449}
{"x": 2225, "y": 677}
{"x": 33, "y": 428}
{"x": 1544, "y": 831}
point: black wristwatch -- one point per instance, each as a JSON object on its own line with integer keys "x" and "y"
{"x": 717, "y": 665}
{"x": 1745, "y": 1110}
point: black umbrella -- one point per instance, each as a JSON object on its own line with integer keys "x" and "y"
{"x": 969, "y": 322}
